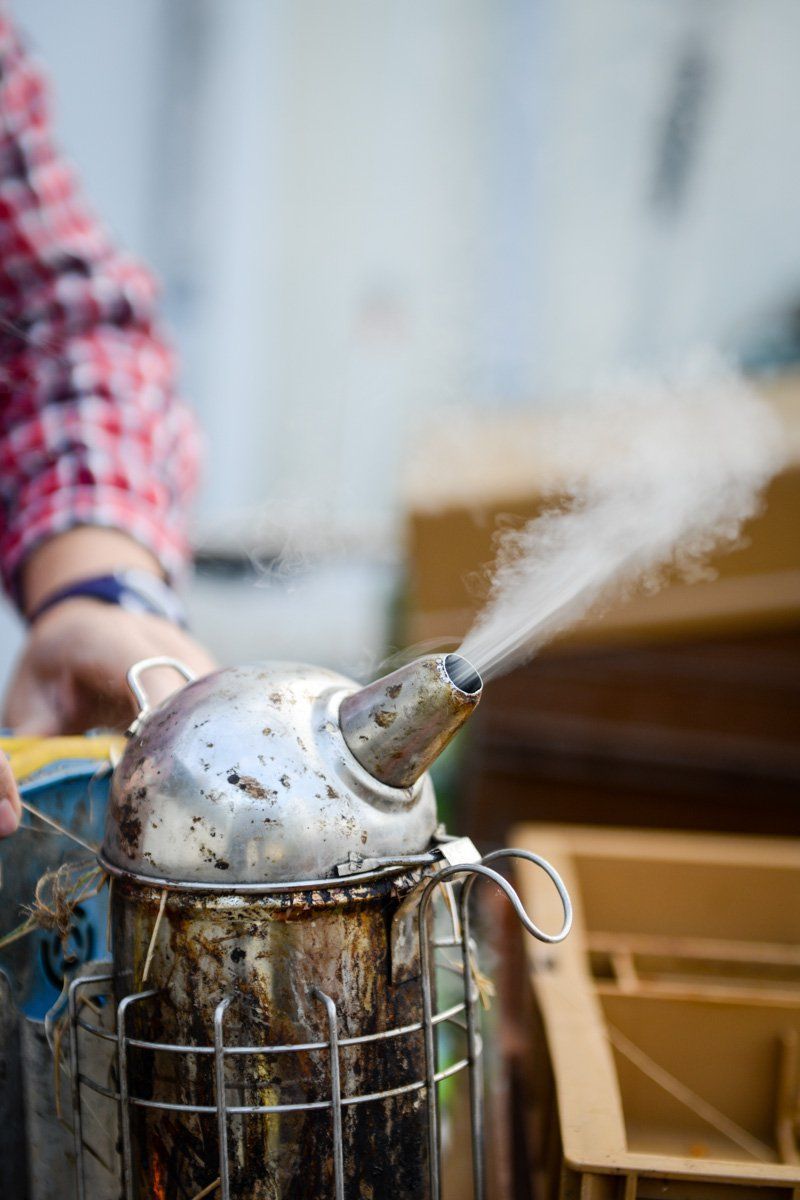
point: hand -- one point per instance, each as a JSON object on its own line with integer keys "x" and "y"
{"x": 72, "y": 673}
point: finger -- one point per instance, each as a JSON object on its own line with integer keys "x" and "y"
{"x": 10, "y": 807}
{"x": 32, "y": 708}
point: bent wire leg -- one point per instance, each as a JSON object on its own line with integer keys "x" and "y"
{"x": 336, "y": 1093}
{"x": 431, "y": 1089}
{"x": 74, "y": 1066}
{"x": 124, "y": 1091}
{"x": 219, "y": 1083}
{"x": 473, "y": 1052}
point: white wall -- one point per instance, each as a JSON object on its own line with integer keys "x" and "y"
{"x": 628, "y": 279}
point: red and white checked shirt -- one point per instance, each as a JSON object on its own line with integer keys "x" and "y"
{"x": 91, "y": 429}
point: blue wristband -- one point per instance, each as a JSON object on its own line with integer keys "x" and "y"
{"x": 131, "y": 589}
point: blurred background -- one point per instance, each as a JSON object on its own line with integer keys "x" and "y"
{"x": 365, "y": 215}
{"x": 393, "y": 238}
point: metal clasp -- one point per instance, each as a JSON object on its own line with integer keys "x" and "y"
{"x": 405, "y": 961}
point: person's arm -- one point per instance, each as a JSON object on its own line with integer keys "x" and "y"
{"x": 72, "y": 673}
{"x": 92, "y": 430}
{"x": 98, "y": 454}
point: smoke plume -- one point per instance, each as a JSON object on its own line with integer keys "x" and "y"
{"x": 660, "y": 476}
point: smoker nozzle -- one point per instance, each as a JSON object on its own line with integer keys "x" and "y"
{"x": 398, "y": 725}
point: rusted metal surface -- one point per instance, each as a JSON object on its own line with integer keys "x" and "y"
{"x": 230, "y": 1032}
{"x": 270, "y": 954}
{"x": 397, "y": 726}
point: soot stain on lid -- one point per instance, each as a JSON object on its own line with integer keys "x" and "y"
{"x": 130, "y": 827}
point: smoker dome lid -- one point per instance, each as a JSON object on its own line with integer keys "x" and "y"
{"x": 243, "y": 777}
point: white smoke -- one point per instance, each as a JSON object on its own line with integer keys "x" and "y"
{"x": 662, "y": 474}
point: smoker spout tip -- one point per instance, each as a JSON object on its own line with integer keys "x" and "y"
{"x": 462, "y": 674}
{"x": 398, "y": 725}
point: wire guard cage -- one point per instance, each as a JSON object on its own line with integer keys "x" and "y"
{"x": 463, "y": 1016}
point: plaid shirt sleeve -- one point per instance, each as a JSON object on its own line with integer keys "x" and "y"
{"x": 91, "y": 429}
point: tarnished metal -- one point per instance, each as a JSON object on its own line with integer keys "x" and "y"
{"x": 397, "y": 726}
{"x": 268, "y": 959}
{"x": 244, "y": 777}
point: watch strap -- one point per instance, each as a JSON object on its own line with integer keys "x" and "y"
{"x": 131, "y": 589}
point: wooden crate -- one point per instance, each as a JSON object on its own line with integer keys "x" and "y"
{"x": 663, "y": 1039}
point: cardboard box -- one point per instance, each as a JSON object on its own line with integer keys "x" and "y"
{"x": 664, "y": 1053}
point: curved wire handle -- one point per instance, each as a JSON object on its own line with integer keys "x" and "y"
{"x": 474, "y": 871}
{"x": 552, "y": 874}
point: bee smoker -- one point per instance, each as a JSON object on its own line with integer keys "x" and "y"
{"x": 273, "y": 845}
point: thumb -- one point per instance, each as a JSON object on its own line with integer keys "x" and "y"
{"x": 10, "y": 807}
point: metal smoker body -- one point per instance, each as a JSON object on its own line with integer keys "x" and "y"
{"x": 272, "y": 840}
